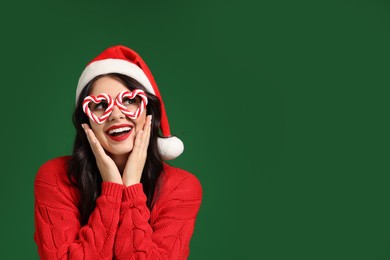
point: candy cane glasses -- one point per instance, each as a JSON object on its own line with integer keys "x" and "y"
{"x": 131, "y": 103}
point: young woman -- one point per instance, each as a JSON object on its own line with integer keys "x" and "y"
{"x": 115, "y": 197}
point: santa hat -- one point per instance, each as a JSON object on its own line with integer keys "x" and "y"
{"x": 123, "y": 60}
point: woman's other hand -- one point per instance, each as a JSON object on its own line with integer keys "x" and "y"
{"x": 136, "y": 162}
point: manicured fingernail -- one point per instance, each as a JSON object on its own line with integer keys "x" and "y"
{"x": 82, "y": 125}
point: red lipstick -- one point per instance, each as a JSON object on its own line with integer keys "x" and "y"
{"x": 122, "y": 136}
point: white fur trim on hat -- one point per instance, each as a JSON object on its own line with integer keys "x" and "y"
{"x": 101, "y": 67}
{"x": 170, "y": 147}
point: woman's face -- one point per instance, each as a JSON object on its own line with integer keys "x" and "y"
{"x": 117, "y": 133}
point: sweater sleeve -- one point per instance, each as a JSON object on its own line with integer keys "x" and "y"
{"x": 166, "y": 232}
{"x": 58, "y": 233}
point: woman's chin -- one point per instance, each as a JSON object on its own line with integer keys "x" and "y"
{"x": 119, "y": 150}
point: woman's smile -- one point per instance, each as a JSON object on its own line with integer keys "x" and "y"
{"x": 119, "y": 132}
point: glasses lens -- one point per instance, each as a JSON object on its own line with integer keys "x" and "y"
{"x": 98, "y": 108}
{"x": 132, "y": 104}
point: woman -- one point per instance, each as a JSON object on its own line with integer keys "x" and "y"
{"x": 115, "y": 198}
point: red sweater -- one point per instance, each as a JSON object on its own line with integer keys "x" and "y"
{"x": 121, "y": 225}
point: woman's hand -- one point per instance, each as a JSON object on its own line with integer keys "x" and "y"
{"x": 107, "y": 167}
{"x": 136, "y": 162}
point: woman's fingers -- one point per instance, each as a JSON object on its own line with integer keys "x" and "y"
{"x": 136, "y": 162}
{"x": 148, "y": 127}
{"x": 97, "y": 149}
{"x": 142, "y": 138}
{"x": 146, "y": 134}
{"x": 90, "y": 135}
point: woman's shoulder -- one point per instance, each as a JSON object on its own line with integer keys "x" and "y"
{"x": 176, "y": 178}
{"x": 53, "y": 171}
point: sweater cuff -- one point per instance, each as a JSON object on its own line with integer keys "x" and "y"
{"x": 133, "y": 192}
{"x": 112, "y": 189}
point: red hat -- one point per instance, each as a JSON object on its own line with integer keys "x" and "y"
{"x": 123, "y": 60}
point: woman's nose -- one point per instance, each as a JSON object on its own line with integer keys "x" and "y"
{"x": 116, "y": 113}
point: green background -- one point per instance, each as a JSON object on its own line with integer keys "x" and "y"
{"x": 283, "y": 107}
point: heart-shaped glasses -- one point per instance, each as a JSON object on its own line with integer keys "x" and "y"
{"x": 131, "y": 103}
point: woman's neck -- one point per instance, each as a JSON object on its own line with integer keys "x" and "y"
{"x": 120, "y": 161}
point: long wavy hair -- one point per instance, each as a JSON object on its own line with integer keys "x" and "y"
{"x": 82, "y": 169}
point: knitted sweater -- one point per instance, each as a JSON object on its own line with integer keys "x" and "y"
{"x": 121, "y": 225}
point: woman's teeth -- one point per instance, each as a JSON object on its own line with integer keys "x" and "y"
{"x": 119, "y": 130}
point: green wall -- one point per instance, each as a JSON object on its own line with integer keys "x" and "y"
{"x": 283, "y": 107}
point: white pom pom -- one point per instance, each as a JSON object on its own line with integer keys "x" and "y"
{"x": 170, "y": 148}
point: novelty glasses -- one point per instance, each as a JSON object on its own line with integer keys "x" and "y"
{"x": 131, "y": 103}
